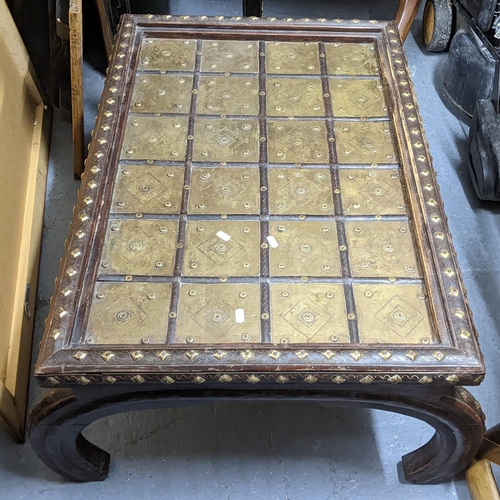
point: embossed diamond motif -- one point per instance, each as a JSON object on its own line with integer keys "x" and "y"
{"x": 307, "y": 318}
{"x": 162, "y": 94}
{"x": 170, "y": 55}
{"x": 146, "y": 188}
{"x": 230, "y": 56}
{"x": 351, "y": 59}
{"x": 230, "y": 248}
{"x": 294, "y": 97}
{"x": 364, "y": 142}
{"x": 225, "y": 140}
{"x": 300, "y": 191}
{"x": 139, "y": 247}
{"x": 153, "y": 138}
{"x": 209, "y": 310}
{"x": 292, "y": 58}
{"x": 228, "y": 95}
{"x": 399, "y": 316}
{"x": 372, "y": 192}
{"x": 378, "y": 192}
{"x": 308, "y": 313}
{"x": 219, "y": 251}
{"x": 357, "y": 98}
{"x": 125, "y": 315}
{"x": 224, "y": 190}
{"x": 381, "y": 249}
{"x": 297, "y": 142}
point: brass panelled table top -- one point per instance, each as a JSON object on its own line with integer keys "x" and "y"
{"x": 259, "y": 207}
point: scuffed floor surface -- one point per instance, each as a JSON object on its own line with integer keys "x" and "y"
{"x": 286, "y": 451}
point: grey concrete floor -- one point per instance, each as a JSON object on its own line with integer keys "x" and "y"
{"x": 292, "y": 451}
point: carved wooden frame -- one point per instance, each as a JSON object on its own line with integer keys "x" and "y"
{"x": 457, "y": 360}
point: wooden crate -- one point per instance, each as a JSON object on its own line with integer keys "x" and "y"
{"x": 24, "y": 146}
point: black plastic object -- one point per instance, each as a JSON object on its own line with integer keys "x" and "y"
{"x": 484, "y": 154}
{"x": 469, "y": 71}
{"x": 483, "y": 11}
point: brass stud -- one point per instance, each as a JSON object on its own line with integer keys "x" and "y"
{"x": 219, "y": 355}
{"x": 138, "y": 379}
{"x": 108, "y": 355}
{"x": 163, "y": 355}
{"x": 83, "y": 380}
{"x": 425, "y": 380}
{"x": 329, "y": 354}
{"x": 411, "y": 355}
{"x": 54, "y": 334}
{"x": 356, "y": 355}
{"x": 438, "y": 355}
{"x": 225, "y": 379}
{"x": 384, "y": 354}
{"x": 367, "y": 380}
{"x": 198, "y": 380}
{"x": 136, "y": 355}
{"x": 302, "y": 354}
{"x": 465, "y": 334}
{"x": 167, "y": 380}
{"x": 338, "y": 379}
{"x": 192, "y": 355}
{"x": 80, "y": 356}
{"x": 253, "y": 379}
{"x": 246, "y": 355}
{"x": 395, "y": 379}
{"x": 282, "y": 379}
{"x": 452, "y": 379}
{"x": 274, "y": 354}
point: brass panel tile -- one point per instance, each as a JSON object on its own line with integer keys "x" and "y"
{"x": 162, "y": 94}
{"x": 222, "y": 248}
{"x": 297, "y": 142}
{"x": 167, "y": 55}
{"x": 228, "y": 95}
{"x": 295, "y": 97}
{"x": 219, "y": 313}
{"x": 224, "y": 190}
{"x": 306, "y": 248}
{"x": 353, "y": 97}
{"x": 226, "y": 140}
{"x": 372, "y": 192}
{"x": 230, "y": 56}
{"x": 139, "y": 247}
{"x": 351, "y": 59}
{"x": 154, "y": 138}
{"x": 148, "y": 189}
{"x": 364, "y": 142}
{"x": 381, "y": 249}
{"x": 393, "y": 314}
{"x": 295, "y": 191}
{"x": 127, "y": 313}
{"x": 308, "y": 313}
{"x": 288, "y": 58}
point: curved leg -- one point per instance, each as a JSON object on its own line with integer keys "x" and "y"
{"x": 407, "y": 10}
{"x": 459, "y": 423}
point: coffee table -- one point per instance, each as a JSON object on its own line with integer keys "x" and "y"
{"x": 259, "y": 219}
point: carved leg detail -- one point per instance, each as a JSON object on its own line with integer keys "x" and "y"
{"x": 407, "y": 10}
{"x": 57, "y": 423}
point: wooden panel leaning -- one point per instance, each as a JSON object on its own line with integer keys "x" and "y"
{"x": 24, "y": 145}
{"x": 259, "y": 219}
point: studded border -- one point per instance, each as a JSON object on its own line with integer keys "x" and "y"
{"x": 56, "y": 352}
